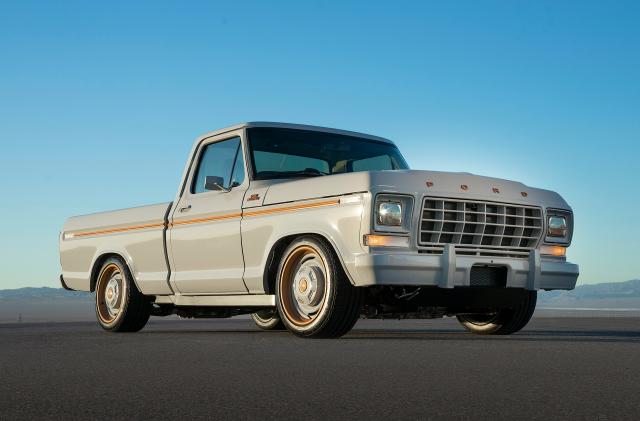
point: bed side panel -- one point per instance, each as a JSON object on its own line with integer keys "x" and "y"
{"x": 136, "y": 234}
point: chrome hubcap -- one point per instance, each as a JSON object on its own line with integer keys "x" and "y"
{"x": 112, "y": 295}
{"x": 308, "y": 287}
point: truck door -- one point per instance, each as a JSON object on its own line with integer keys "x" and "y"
{"x": 205, "y": 243}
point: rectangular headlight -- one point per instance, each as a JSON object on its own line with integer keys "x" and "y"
{"x": 559, "y": 225}
{"x": 392, "y": 213}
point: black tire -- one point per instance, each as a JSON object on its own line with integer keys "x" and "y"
{"x": 338, "y": 305}
{"x": 131, "y": 306}
{"x": 268, "y": 319}
{"x": 506, "y": 320}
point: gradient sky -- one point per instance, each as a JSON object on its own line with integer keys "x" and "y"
{"x": 100, "y": 102}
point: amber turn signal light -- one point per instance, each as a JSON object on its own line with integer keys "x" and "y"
{"x": 557, "y": 251}
{"x": 372, "y": 240}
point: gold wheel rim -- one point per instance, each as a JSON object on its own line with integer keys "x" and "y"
{"x": 110, "y": 293}
{"x": 303, "y": 285}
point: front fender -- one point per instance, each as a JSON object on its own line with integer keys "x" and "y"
{"x": 340, "y": 225}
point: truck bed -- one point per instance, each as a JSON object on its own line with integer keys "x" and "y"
{"x": 140, "y": 231}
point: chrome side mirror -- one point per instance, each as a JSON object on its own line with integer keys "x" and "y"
{"x": 214, "y": 183}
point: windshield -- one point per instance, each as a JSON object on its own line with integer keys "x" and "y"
{"x": 284, "y": 153}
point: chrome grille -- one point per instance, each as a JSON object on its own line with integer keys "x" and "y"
{"x": 479, "y": 228}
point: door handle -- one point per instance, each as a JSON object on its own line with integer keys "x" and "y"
{"x": 185, "y": 209}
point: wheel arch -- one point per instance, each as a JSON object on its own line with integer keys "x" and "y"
{"x": 280, "y": 245}
{"x": 99, "y": 261}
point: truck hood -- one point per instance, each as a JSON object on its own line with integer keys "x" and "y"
{"x": 416, "y": 183}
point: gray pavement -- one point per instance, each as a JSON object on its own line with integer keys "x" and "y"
{"x": 557, "y": 368}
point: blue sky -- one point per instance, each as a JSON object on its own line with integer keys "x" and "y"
{"x": 100, "y": 102}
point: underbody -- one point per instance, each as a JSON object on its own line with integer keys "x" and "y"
{"x": 384, "y": 302}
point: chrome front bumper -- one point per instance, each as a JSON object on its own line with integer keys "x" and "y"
{"x": 449, "y": 271}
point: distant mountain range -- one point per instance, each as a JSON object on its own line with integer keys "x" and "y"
{"x": 38, "y": 293}
{"x": 611, "y": 294}
{"x": 604, "y": 295}
{"x": 605, "y": 290}
{"x": 45, "y": 305}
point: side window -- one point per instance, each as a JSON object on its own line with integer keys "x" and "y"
{"x": 218, "y": 159}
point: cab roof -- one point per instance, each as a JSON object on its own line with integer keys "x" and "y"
{"x": 291, "y": 126}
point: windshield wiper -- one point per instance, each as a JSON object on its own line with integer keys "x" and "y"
{"x": 308, "y": 174}
{"x": 292, "y": 174}
{"x": 311, "y": 172}
{"x": 302, "y": 173}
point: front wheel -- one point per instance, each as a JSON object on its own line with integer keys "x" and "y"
{"x": 120, "y": 306}
{"x": 313, "y": 294}
{"x": 504, "y": 321}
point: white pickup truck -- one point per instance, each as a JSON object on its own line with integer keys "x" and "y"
{"x": 309, "y": 228}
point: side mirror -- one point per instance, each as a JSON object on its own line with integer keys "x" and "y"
{"x": 215, "y": 183}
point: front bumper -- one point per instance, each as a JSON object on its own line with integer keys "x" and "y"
{"x": 449, "y": 271}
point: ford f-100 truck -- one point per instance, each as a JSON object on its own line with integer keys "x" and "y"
{"x": 309, "y": 228}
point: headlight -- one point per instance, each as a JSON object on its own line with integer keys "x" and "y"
{"x": 390, "y": 213}
{"x": 559, "y": 226}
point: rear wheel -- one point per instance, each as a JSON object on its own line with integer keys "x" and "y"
{"x": 120, "y": 306}
{"x": 314, "y": 296}
{"x": 505, "y": 321}
{"x": 268, "y": 319}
